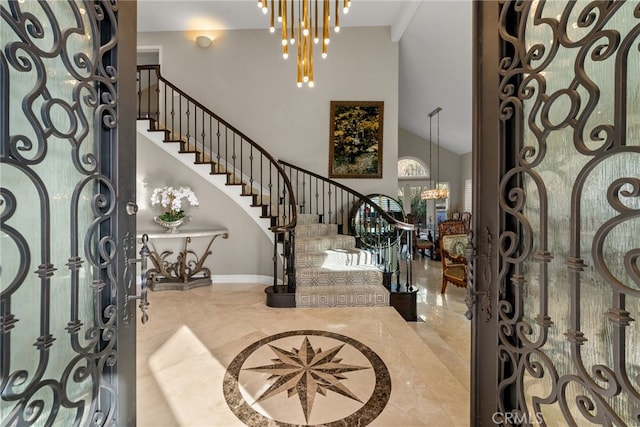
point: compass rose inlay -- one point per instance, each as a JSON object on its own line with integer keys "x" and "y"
{"x": 308, "y": 365}
{"x": 305, "y": 372}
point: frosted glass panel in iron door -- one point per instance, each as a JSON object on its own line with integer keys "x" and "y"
{"x": 579, "y": 233}
{"x": 54, "y": 200}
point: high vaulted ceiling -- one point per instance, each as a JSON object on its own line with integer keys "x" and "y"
{"x": 435, "y": 51}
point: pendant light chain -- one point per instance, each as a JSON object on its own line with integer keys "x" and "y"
{"x": 438, "y": 154}
{"x": 430, "y": 154}
{"x": 434, "y": 192}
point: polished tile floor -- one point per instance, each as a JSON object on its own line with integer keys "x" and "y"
{"x": 217, "y": 356}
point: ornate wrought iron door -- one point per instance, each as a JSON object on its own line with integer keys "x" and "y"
{"x": 557, "y": 258}
{"x": 65, "y": 353}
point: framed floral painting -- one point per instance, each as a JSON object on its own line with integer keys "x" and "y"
{"x": 355, "y": 141}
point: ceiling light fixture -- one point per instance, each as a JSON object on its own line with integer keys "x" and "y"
{"x": 435, "y": 193}
{"x": 301, "y": 25}
{"x": 204, "y": 41}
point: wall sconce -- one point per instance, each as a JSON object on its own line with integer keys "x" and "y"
{"x": 204, "y": 41}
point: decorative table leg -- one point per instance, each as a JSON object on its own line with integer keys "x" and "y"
{"x": 188, "y": 270}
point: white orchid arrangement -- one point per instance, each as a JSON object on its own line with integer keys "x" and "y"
{"x": 171, "y": 198}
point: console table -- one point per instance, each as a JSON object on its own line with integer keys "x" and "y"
{"x": 187, "y": 271}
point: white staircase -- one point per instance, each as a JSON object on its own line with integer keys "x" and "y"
{"x": 331, "y": 271}
{"x": 220, "y": 181}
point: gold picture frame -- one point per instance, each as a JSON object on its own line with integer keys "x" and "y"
{"x": 355, "y": 139}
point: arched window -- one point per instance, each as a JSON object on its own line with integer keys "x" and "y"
{"x": 413, "y": 180}
{"x": 412, "y": 169}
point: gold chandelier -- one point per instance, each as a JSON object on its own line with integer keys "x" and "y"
{"x": 435, "y": 193}
{"x": 301, "y": 26}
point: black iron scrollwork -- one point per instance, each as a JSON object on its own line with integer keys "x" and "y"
{"x": 566, "y": 76}
{"x": 57, "y": 78}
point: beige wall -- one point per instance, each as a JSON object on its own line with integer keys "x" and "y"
{"x": 466, "y": 167}
{"x": 243, "y": 78}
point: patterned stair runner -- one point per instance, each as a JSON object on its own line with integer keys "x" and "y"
{"x": 331, "y": 271}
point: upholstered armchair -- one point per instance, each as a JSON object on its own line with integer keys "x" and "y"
{"x": 453, "y": 242}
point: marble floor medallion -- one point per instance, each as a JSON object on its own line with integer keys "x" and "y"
{"x": 307, "y": 377}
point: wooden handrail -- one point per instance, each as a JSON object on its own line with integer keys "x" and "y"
{"x": 266, "y": 154}
{"x": 384, "y": 214}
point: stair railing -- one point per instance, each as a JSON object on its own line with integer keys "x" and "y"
{"x": 230, "y": 152}
{"x": 335, "y": 203}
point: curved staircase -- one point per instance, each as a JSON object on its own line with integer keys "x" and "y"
{"x": 320, "y": 266}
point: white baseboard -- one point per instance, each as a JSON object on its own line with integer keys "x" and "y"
{"x": 242, "y": 278}
{"x": 237, "y": 278}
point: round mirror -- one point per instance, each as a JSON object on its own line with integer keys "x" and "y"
{"x": 370, "y": 228}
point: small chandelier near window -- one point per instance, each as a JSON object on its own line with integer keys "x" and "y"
{"x": 435, "y": 193}
{"x": 301, "y": 26}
